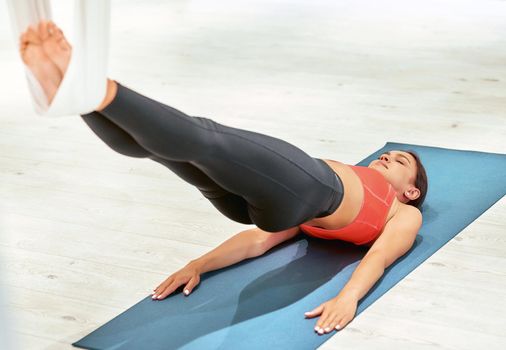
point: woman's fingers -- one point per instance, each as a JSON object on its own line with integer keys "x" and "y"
{"x": 163, "y": 284}
{"x": 168, "y": 290}
{"x": 193, "y": 282}
{"x": 189, "y": 275}
{"x": 158, "y": 290}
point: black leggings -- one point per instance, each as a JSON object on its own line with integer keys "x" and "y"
{"x": 249, "y": 177}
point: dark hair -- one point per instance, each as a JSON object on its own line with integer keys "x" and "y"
{"x": 420, "y": 181}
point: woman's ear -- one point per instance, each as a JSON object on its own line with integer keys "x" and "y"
{"x": 412, "y": 193}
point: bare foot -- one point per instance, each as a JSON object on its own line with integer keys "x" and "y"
{"x": 46, "y": 51}
{"x": 55, "y": 45}
{"x": 42, "y": 67}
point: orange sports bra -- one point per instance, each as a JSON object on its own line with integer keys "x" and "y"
{"x": 367, "y": 225}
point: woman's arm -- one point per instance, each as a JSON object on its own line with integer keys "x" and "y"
{"x": 241, "y": 246}
{"x": 244, "y": 245}
{"x": 396, "y": 239}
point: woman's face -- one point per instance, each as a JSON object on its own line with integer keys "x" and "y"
{"x": 399, "y": 168}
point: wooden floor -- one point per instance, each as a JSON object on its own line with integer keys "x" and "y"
{"x": 85, "y": 233}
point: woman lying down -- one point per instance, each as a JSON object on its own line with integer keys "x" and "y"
{"x": 253, "y": 178}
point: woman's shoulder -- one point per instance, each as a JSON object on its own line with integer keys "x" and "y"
{"x": 399, "y": 209}
{"x": 411, "y": 209}
{"x": 408, "y": 211}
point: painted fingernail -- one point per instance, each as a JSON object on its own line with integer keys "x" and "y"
{"x": 320, "y": 331}
{"x": 327, "y": 329}
{"x": 338, "y": 326}
{"x": 154, "y": 296}
{"x": 186, "y": 291}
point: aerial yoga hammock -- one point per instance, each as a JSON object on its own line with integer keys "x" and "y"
{"x": 84, "y": 83}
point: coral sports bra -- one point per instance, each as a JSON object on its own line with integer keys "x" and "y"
{"x": 367, "y": 225}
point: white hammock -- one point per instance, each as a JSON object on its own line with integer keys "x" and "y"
{"x": 84, "y": 84}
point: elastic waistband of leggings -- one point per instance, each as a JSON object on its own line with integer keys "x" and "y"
{"x": 336, "y": 195}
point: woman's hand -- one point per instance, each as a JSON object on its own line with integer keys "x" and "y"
{"x": 189, "y": 274}
{"x": 336, "y": 313}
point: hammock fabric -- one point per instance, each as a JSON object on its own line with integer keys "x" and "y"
{"x": 84, "y": 84}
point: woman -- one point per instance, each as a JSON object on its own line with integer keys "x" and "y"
{"x": 256, "y": 179}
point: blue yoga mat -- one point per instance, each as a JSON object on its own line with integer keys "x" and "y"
{"x": 260, "y": 302}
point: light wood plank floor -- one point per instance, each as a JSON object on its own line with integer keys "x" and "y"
{"x": 85, "y": 233}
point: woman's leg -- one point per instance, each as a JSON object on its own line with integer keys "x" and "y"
{"x": 229, "y": 204}
{"x": 282, "y": 185}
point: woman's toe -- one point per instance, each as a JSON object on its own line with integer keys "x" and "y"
{"x": 32, "y": 36}
{"x": 43, "y": 30}
{"x": 22, "y": 40}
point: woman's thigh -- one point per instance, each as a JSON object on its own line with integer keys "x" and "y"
{"x": 282, "y": 184}
{"x": 231, "y": 205}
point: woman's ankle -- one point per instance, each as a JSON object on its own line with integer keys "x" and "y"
{"x": 112, "y": 89}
